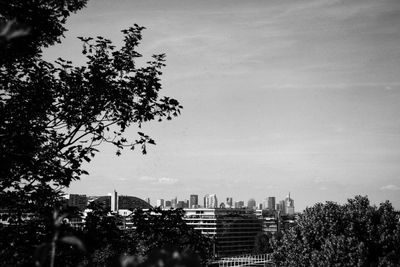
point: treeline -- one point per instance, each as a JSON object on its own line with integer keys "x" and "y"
{"x": 353, "y": 234}
{"x": 158, "y": 236}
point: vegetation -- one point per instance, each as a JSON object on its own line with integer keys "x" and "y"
{"x": 54, "y": 117}
{"x": 354, "y": 234}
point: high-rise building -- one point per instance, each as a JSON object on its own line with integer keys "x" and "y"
{"x": 180, "y": 204}
{"x": 210, "y": 201}
{"x": 148, "y": 200}
{"x": 251, "y": 204}
{"x": 271, "y": 203}
{"x": 174, "y": 202}
{"x": 229, "y": 202}
{"x": 114, "y": 201}
{"x": 260, "y": 206}
{"x": 282, "y": 207}
{"x": 168, "y": 204}
{"x": 79, "y": 201}
{"x": 194, "y": 201}
{"x": 289, "y": 205}
{"x": 205, "y": 201}
{"x": 160, "y": 203}
{"x": 239, "y": 204}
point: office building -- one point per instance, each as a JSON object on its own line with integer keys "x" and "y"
{"x": 239, "y": 204}
{"x": 234, "y": 230}
{"x": 271, "y": 203}
{"x": 281, "y": 207}
{"x": 194, "y": 201}
{"x": 229, "y": 202}
{"x": 289, "y": 205}
{"x": 210, "y": 201}
{"x": 160, "y": 203}
{"x": 168, "y": 204}
{"x": 174, "y": 202}
{"x": 182, "y": 204}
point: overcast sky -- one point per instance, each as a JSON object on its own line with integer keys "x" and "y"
{"x": 300, "y": 96}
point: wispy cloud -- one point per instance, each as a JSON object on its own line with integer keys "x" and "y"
{"x": 161, "y": 180}
{"x": 390, "y": 187}
{"x": 166, "y": 180}
{"x": 147, "y": 178}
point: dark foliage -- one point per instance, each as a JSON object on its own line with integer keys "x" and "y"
{"x": 53, "y": 117}
{"x": 263, "y": 243}
{"x": 157, "y": 228}
{"x": 354, "y": 234}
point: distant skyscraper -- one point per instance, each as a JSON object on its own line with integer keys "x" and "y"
{"x": 114, "y": 201}
{"x": 229, "y": 202}
{"x": 160, "y": 203}
{"x": 148, "y": 200}
{"x": 205, "y": 201}
{"x": 282, "y": 207}
{"x": 260, "y": 206}
{"x": 271, "y": 203}
{"x": 180, "y": 204}
{"x": 251, "y": 204}
{"x": 289, "y": 205}
{"x": 174, "y": 202}
{"x": 194, "y": 201}
{"x": 239, "y": 204}
{"x": 210, "y": 201}
{"x": 168, "y": 204}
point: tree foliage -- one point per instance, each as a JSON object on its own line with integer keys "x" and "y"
{"x": 158, "y": 236}
{"x": 354, "y": 234}
{"x": 157, "y": 228}
{"x": 55, "y": 116}
{"x": 262, "y": 243}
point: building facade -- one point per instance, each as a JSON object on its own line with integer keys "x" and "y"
{"x": 271, "y": 203}
{"x": 160, "y": 203}
{"x": 229, "y": 202}
{"x": 194, "y": 201}
{"x": 210, "y": 201}
{"x": 289, "y": 205}
{"x": 233, "y": 230}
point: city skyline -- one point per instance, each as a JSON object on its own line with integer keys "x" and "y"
{"x": 277, "y": 96}
{"x": 210, "y": 201}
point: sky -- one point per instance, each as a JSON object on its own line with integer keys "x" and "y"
{"x": 295, "y": 96}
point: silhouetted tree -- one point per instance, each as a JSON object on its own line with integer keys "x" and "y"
{"x": 53, "y": 117}
{"x": 262, "y": 243}
{"x": 166, "y": 229}
{"x": 354, "y": 234}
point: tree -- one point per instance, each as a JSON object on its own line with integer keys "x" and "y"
{"x": 354, "y": 234}
{"x": 166, "y": 229}
{"x": 54, "y": 117}
{"x": 262, "y": 243}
